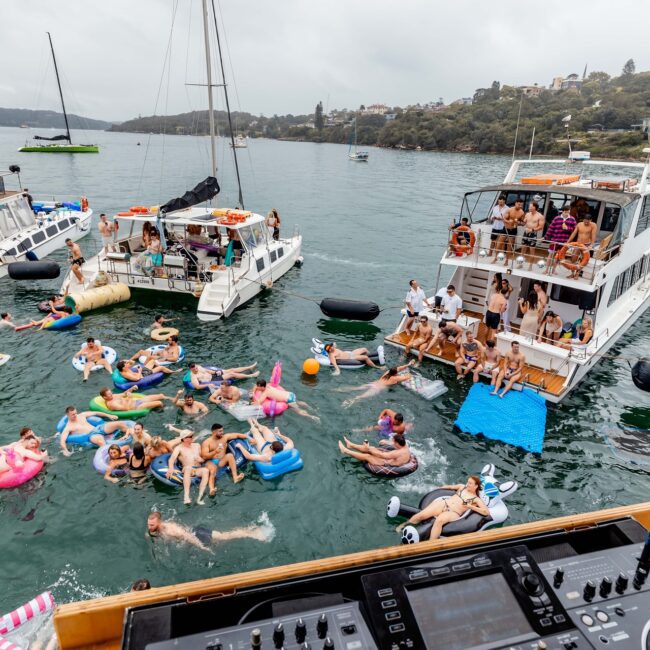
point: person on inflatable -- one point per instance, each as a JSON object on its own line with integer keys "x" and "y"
{"x": 188, "y": 454}
{"x": 215, "y": 448}
{"x": 117, "y": 460}
{"x": 188, "y": 405}
{"x": 127, "y": 370}
{"x": 391, "y": 377}
{"x": 94, "y": 354}
{"x": 265, "y": 391}
{"x": 159, "y": 322}
{"x": 359, "y": 354}
{"x": 265, "y": 442}
{"x": 201, "y": 377}
{"x": 170, "y": 353}
{"x": 226, "y": 394}
{"x": 451, "y": 508}
{"x": 78, "y": 424}
{"x": 14, "y": 456}
{"x": 366, "y": 453}
{"x": 56, "y": 302}
{"x": 125, "y": 402}
{"x": 61, "y": 313}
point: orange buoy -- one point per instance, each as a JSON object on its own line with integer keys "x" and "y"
{"x": 311, "y": 366}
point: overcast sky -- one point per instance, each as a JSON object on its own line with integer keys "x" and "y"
{"x": 287, "y": 55}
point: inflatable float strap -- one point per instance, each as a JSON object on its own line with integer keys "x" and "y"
{"x": 83, "y": 439}
{"x": 64, "y": 323}
{"x": 163, "y": 333}
{"x": 18, "y": 475}
{"x": 146, "y": 382}
{"x": 161, "y": 362}
{"x": 392, "y": 471}
{"x": 42, "y": 604}
{"x": 98, "y": 404}
{"x": 288, "y": 460}
{"x": 187, "y": 380}
{"x": 100, "y": 460}
{"x": 79, "y": 363}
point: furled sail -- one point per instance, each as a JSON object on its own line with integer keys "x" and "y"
{"x": 56, "y": 137}
{"x": 204, "y": 191}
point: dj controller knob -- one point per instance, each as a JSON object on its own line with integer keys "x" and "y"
{"x": 278, "y": 635}
{"x": 256, "y": 639}
{"x": 639, "y": 578}
{"x": 605, "y": 587}
{"x": 558, "y": 578}
{"x": 301, "y": 631}
{"x": 321, "y": 627}
{"x": 329, "y": 644}
{"x": 532, "y": 584}
{"x": 541, "y": 645}
{"x": 589, "y": 591}
{"x": 621, "y": 583}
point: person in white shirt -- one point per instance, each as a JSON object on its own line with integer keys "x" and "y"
{"x": 497, "y": 238}
{"x": 106, "y": 230}
{"x": 451, "y": 305}
{"x": 415, "y": 301}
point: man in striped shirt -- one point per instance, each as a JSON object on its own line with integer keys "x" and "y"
{"x": 558, "y": 233}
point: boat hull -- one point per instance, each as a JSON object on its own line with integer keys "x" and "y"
{"x": 56, "y": 148}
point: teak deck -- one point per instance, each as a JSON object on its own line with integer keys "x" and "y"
{"x": 98, "y": 623}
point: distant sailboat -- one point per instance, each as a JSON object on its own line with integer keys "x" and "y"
{"x": 239, "y": 143}
{"x": 357, "y": 156}
{"x": 57, "y": 146}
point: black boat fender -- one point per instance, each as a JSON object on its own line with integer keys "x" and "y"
{"x": 641, "y": 374}
{"x": 349, "y": 309}
{"x": 43, "y": 270}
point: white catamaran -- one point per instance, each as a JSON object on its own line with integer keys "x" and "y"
{"x": 222, "y": 256}
{"x": 607, "y": 281}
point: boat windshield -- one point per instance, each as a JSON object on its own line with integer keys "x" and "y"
{"x": 15, "y": 216}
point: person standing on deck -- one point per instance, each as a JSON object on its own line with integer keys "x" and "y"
{"x": 415, "y": 301}
{"x": 76, "y": 259}
{"x": 451, "y": 305}
{"x": 559, "y": 231}
{"x": 497, "y": 304}
{"x": 106, "y": 230}
{"x": 497, "y": 216}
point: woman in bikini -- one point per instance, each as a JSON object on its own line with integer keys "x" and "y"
{"x": 138, "y": 463}
{"x": 451, "y": 508}
{"x": 549, "y": 332}
{"x": 116, "y": 460}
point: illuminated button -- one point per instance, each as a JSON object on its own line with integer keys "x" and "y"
{"x": 545, "y": 622}
{"x": 382, "y": 593}
{"x": 417, "y": 574}
{"x": 392, "y": 616}
{"x": 396, "y": 627}
{"x": 602, "y": 616}
{"x": 387, "y": 604}
{"x": 354, "y": 645}
{"x": 587, "y": 620}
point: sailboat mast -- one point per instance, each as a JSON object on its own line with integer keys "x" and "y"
{"x": 213, "y": 148}
{"x": 58, "y": 81}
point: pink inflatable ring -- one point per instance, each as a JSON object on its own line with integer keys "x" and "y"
{"x": 19, "y": 474}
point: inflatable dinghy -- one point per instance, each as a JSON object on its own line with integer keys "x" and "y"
{"x": 318, "y": 350}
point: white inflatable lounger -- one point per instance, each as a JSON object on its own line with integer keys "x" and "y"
{"x": 242, "y": 410}
{"x": 427, "y": 388}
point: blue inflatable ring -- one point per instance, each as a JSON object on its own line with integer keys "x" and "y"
{"x": 146, "y": 382}
{"x": 83, "y": 439}
{"x": 187, "y": 380}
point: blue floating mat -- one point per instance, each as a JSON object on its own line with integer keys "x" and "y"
{"x": 518, "y": 419}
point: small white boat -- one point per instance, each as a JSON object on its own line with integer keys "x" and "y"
{"x": 357, "y": 156}
{"x": 240, "y": 142}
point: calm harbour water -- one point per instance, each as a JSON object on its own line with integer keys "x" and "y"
{"x": 368, "y": 228}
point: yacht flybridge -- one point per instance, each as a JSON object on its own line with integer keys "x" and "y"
{"x": 36, "y": 230}
{"x": 223, "y": 257}
{"x": 607, "y": 281}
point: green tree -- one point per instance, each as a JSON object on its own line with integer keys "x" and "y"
{"x": 629, "y": 68}
{"x": 319, "y": 121}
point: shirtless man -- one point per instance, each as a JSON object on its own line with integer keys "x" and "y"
{"x": 510, "y": 221}
{"x": 29, "y": 447}
{"x": 94, "y": 354}
{"x": 513, "y": 367}
{"x": 159, "y": 322}
{"x": 188, "y": 454}
{"x": 585, "y": 232}
{"x": 366, "y": 453}
{"x": 78, "y": 424}
{"x": 170, "y": 353}
{"x": 542, "y": 299}
{"x": 76, "y": 259}
{"x": 201, "y": 377}
{"x": 215, "y": 449}
{"x": 135, "y": 372}
{"x": 106, "y": 230}
{"x": 421, "y": 339}
{"x": 358, "y": 354}
{"x": 138, "y": 434}
{"x": 265, "y": 442}
{"x": 491, "y": 360}
{"x": 126, "y": 402}
{"x": 470, "y": 356}
{"x": 391, "y": 377}
{"x": 263, "y": 391}
{"x": 188, "y": 405}
{"x": 533, "y": 226}
{"x": 447, "y": 331}
{"x": 6, "y": 321}
{"x": 226, "y": 393}
{"x": 497, "y": 304}
{"x": 201, "y": 537}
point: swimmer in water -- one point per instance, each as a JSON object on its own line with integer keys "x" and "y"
{"x": 188, "y": 405}
{"x": 78, "y": 424}
{"x": 159, "y": 322}
{"x": 202, "y": 537}
{"x": 390, "y": 378}
{"x": 226, "y": 394}
{"x": 201, "y": 377}
{"x": 263, "y": 392}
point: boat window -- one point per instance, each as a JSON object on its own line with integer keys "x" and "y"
{"x": 247, "y": 237}
{"x": 527, "y": 198}
{"x": 477, "y": 206}
{"x": 23, "y": 214}
{"x": 627, "y": 279}
{"x": 259, "y": 234}
{"x": 11, "y": 252}
{"x": 644, "y": 217}
{"x": 51, "y": 230}
{"x": 280, "y": 252}
{"x": 25, "y": 245}
{"x": 570, "y": 296}
{"x": 610, "y": 217}
{"x": 274, "y": 256}
{"x": 63, "y": 224}
{"x": 38, "y": 237}
{"x": 260, "y": 264}
{"x": 624, "y": 222}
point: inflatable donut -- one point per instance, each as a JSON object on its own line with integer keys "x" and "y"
{"x": 99, "y": 404}
{"x": 63, "y": 323}
{"x": 318, "y": 350}
{"x": 392, "y": 471}
{"x": 78, "y": 363}
{"x": 146, "y": 382}
{"x": 161, "y": 362}
{"x": 285, "y": 461}
{"x": 163, "y": 333}
{"x": 187, "y": 380}
{"x": 100, "y": 460}
{"x": 272, "y": 407}
{"x": 83, "y": 439}
{"x": 18, "y": 475}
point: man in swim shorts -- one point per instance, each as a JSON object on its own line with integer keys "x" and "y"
{"x": 510, "y": 221}
{"x": 491, "y": 360}
{"x": 264, "y": 391}
{"x": 469, "y": 357}
{"x": 188, "y": 454}
{"x": 447, "y": 332}
{"x": 136, "y": 372}
{"x": 201, "y": 377}
{"x": 216, "y": 450}
{"x": 513, "y": 367}
{"x": 76, "y": 259}
{"x": 497, "y": 304}
{"x": 391, "y": 377}
{"x": 200, "y": 536}
{"x": 358, "y": 354}
{"x": 78, "y": 424}
{"x": 94, "y": 354}
{"x": 366, "y": 453}
{"x": 170, "y": 353}
{"x": 226, "y": 394}
{"x": 265, "y": 442}
{"x": 126, "y": 402}
{"x": 188, "y": 405}
{"x": 533, "y": 227}
{"x": 421, "y": 339}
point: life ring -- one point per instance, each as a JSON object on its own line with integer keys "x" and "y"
{"x": 392, "y": 471}
{"x": 139, "y": 209}
{"x": 84, "y": 203}
{"x": 464, "y": 248}
{"x": 125, "y": 214}
{"x": 163, "y": 333}
{"x": 573, "y": 266}
{"x": 239, "y": 218}
{"x": 162, "y": 362}
{"x": 227, "y": 221}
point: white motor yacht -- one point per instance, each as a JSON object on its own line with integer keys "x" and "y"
{"x": 607, "y": 281}
{"x": 32, "y": 232}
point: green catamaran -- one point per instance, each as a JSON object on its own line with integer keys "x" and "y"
{"x": 59, "y": 143}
